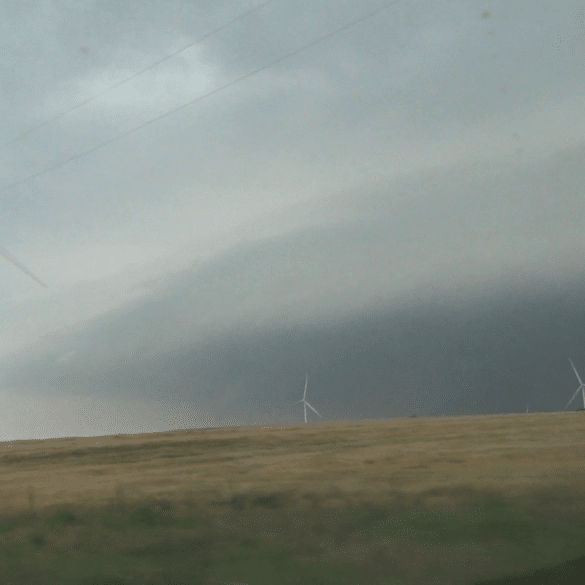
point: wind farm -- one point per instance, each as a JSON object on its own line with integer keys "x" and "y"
{"x": 581, "y": 388}
{"x": 304, "y": 401}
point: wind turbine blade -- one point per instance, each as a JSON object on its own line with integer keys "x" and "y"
{"x": 313, "y": 409}
{"x": 16, "y": 263}
{"x": 306, "y": 382}
{"x": 576, "y": 374}
{"x": 573, "y": 398}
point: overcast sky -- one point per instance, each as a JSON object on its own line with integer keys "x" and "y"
{"x": 365, "y": 211}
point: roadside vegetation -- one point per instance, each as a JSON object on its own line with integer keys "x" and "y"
{"x": 267, "y": 539}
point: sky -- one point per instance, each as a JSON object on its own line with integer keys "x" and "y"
{"x": 384, "y": 196}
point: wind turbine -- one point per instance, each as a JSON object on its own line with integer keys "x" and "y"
{"x": 305, "y": 403}
{"x": 4, "y": 252}
{"x": 581, "y": 387}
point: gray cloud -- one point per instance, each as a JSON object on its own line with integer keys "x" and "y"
{"x": 429, "y": 159}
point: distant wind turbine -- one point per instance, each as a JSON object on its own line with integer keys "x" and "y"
{"x": 581, "y": 387}
{"x": 4, "y": 252}
{"x": 305, "y": 403}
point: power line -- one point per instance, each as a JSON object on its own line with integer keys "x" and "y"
{"x": 131, "y": 131}
{"x": 80, "y": 104}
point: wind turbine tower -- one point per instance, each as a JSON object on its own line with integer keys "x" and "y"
{"x": 305, "y": 403}
{"x": 581, "y": 387}
{"x": 4, "y": 252}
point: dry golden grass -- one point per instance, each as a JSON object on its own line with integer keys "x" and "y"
{"x": 426, "y": 460}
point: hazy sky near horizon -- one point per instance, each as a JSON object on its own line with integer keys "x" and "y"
{"x": 432, "y": 152}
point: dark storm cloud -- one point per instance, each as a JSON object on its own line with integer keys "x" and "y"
{"x": 350, "y": 295}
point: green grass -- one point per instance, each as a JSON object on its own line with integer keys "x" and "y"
{"x": 156, "y": 542}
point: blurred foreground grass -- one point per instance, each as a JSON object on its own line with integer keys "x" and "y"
{"x": 269, "y": 539}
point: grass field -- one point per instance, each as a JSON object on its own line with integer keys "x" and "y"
{"x": 445, "y": 500}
